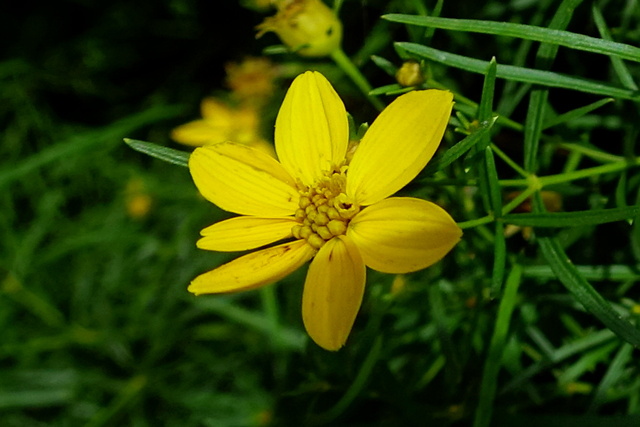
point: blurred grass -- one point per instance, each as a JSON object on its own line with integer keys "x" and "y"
{"x": 97, "y": 326}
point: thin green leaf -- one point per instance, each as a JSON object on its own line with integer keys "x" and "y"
{"x": 485, "y": 111}
{"x": 37, "y": 388}
{"x": 578, "y": 346}
{"x": 584, "y": 293}
{"x": 526, "y": 75}
{"x": 572, "y": 219}
{"x": 589, "y": 272}
{"x": 493, "y": 361}
{"x": 459, "y": 149}
{"x": 289, "y": 338}
{"x": 527, "y": 32}
{"x": 586, "y": 363}
{"x": 574, "y": 114}
{"x": 170, "y": 155}
{"x": 84, "y": 141}
{"x": 495, "y": 195}
{"x": 356, "y": 388}
{"x": 500, "y": 245}
{"x": 616, "y": 371}
{"x": 618, "y": 65}
{"x": 385, "y": 65}
{"x": 392, "y": 89}
{"x": 590, "y": 151}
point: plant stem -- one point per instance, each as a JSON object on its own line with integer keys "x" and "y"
{"x": 344, "y": 62}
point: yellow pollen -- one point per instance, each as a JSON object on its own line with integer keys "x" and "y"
{"x": 325, "y": 210}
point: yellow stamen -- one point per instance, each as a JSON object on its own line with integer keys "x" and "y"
{"x": 325, "y": 210}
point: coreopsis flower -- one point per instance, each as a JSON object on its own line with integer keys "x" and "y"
{"x": 307, "y": 27}
{"x": 338, "y": 213}
{"x": 252, "y": 79}
{"x": 223, "y": 122}
{"x": 138, "y": 201}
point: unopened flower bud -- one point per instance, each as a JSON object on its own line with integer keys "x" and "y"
{"x": 410, "y": 74}
{"x": 307, "y": 27}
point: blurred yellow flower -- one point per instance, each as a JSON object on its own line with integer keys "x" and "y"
{"x": 138, "y": 201}
{"x": 222, "y": 122}
{"x": 252, "y": 80}
{"x": 338, "y": 213}
{"x": 307, "y": 27}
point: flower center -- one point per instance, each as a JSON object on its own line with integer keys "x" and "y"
{"x": 325, "y": 210}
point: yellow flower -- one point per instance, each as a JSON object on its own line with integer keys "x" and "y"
{"x": 138, "y": 200}
{"x": 252, "y": 80}
{"x": 307, "y": 27}
{"x": 339, "y": 214}
{"x": 221, "y": 122}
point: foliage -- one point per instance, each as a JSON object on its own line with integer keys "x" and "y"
{"x": 531, "y": 320}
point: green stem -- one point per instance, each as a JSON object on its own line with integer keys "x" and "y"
{"x": 476, "y": 222}
{"x": 508, "y": 161}
{"x": 344, "y": 62}
{"x": 591, "y": 153}
{"x": 572, "y": 176}
{"x": 518, "y": 200}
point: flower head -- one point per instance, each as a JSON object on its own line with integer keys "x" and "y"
{"x": 137, "y": 198}
{"x": 222, "y": 122}
{"x": 307, "y": 27}
{"x": 338, "y": 213}
{"x": 252, "y": 80}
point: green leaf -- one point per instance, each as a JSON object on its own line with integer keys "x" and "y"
{"x": 614, "y": 272}
{"x": 580, "y": 345}
{"x": 459, "y": 149}
{"x": 572, "y": 219}
{"x": 527, "y": 32}
{"x": 384, "y": 64}
{"x": 520, "y": 74}
{"x": 493, "y": 361}
{"x": 584, "y": 293}
{"x": 37, "y": 387}
{"x": 79, "y": 143}
{"x": 392, "y": 89}
{"x": 616, "y": 371}
{"x": 170, "y": 155}
{"x": 574, "y": 114}
{"x": 618, "y": 65}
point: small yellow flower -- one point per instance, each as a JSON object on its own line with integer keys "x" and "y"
{"x": 222, "y": 122}
{"x": 251, "y": 80}
{"x": 137, "y": 199}
{"x": 307, "y": 27}
{"x": 338, "y": 213}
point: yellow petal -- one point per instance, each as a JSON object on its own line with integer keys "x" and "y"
{"x": 243, "y": 180}
{"x": 215, "y": 111}
{"x": 403, "y": 234}
{"x": 398, "y": 144}
{"x": 245, "y": 232}
{"x": 312, "y": 131}
{"x": 254, "y": 270}
{"x": 198, "y": 133}
{"x": 333, "y": 292}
